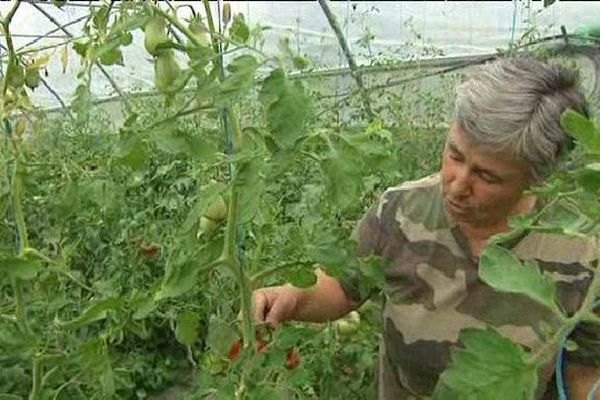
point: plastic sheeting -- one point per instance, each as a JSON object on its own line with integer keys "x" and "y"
{"x": 374, "y": 30}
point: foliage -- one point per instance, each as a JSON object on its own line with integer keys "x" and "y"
{"x": 129, "y": 248}
{"x": 571, "y": 209}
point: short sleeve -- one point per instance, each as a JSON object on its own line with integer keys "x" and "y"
{"x": 367, "y": 235}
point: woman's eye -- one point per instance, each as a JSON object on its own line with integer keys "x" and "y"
{"x": 488, "y": 179}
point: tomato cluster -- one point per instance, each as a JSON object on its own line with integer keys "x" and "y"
{"x": 292, "y": 355}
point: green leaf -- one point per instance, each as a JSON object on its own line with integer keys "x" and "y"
{"x": 95, "y": 363}
{"x": 81, "y": 47}
{"x": 583, "y": 130}
{"x": 6, "y": 396}
{"x": 300, "y": 62}
{"x": 95, "y": 312}
{"x": 186, "y": 330}
{"x": 220, "y": 335}
{"x": 502, "y": 270}
{"x": 343, "y": 180}
{"x": 249, "y": 184}
{"x": 267, "y": 393}
{"x": 239, "y": 30}
{"x": 487, "y": 366}
{"x": 132, "y": 151}
{"x": 169, "y": 138}
{"x": 240, "y": 78}
{"x": 19, "y": 267}
{"x": 568, "y": 220}
{"x": 372, "y": 270}
{"x": 288, "y": 107}
{"x": 142, "y": 306}
{"x": 301, "y": 277}
{"x": 589, "y": 177}
{"x": 111, "y": 57}
{"x": 327, "y": 251}
{"x": 100, "y": 18}
{"x": 179, "y": 278}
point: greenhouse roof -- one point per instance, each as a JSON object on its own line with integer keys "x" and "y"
{"x": 388, "y": 31}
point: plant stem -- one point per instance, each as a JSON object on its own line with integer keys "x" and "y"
{"x": 351, "y": 63}
{"x": 211, "y": 26}
{"x": 20, "y": 310}
{"x": 13, "y": 10}
{"x": 100, "y": 67}
{"x": 231, "y": 235}
{"x": 9, "y": 43}
{"x": 36, "y": 388}
{"x": 230, "y": 254}
{"x": 16, "y": 184}
{"x": 17, "y": 198}
{"x": 17, "y": 192}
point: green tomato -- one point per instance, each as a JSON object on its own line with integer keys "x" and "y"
{"x": 345, "y": 327}
{"x": 217, "y": 211}
{"x": 200, "y": 32}
{"x": 349, "y": 323}
{"x": 32, "y": 78}
{"x": 155, "y": 34}
{"x": 207, "y": 225}
{"x": 353, "y": 317}
{"x": 17, "y": 76}
{"x": 166, "y": 71}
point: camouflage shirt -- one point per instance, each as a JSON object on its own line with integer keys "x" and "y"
{"x": 434, "y": 290}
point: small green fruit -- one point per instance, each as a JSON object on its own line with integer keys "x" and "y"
{"x": 207, "y": 225}
{"x": 217, "y": 211}
{"x": 32, "y": 78}
{"x": 166, "y": 72}
{"x": 154, "y": 35}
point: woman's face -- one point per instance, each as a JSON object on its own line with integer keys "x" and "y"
{"x": 481, "y": 185}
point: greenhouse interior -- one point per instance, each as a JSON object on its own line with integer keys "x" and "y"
{"x": 300, "y": 200}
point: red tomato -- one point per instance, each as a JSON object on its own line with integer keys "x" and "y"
{"x": 234, "y": 350}
{"x": 149, "y": 250}
{"x": 292, "y": 358}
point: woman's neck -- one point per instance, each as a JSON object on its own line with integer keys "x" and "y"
{"x": 478, "y": 234}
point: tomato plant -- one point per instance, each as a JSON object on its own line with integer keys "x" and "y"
{"x": 129, "y": 247}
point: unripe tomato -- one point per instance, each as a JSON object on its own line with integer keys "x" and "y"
{"x": 166, "y": 71}
{"x": 345, "y": 327}
{"x": 207, "y": 225}
{"x": 217, "y": 210}
{"x": 348, "y": 324}
{"x": 32, "y": 78}
{"x": 155, "y": 34}
{"x": 17, "y": 76}
{"x": 199, "y": 31}
{"x": 353, "y": 317}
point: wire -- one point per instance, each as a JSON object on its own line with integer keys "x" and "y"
{"x": 558, "y": 370}
{"x": 513, "y": 25}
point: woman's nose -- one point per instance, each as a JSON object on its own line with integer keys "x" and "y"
{"x": 460, "y": 186}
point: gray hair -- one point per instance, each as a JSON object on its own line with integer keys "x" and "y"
{"x": 516, "y": 104}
